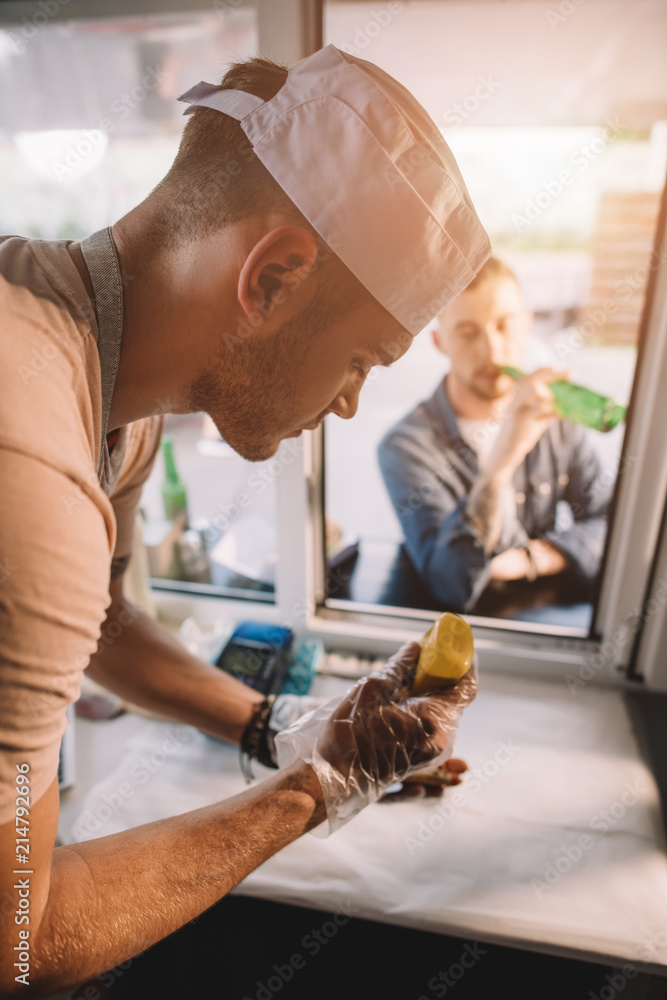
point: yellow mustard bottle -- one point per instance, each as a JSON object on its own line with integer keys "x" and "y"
{"x": 446, "y": 655}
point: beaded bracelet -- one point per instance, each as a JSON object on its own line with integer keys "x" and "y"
{"x": 256, "y": 742}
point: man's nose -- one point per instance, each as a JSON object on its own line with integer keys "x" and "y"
{"x": 346, "y": 402}
{"x": 494, "y": 344}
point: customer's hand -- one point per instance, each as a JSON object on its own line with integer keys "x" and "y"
{"x": 517, "y": 564}
{"x": 512, "y": 564}
{"x": 428, "y": 784}
{"x": 529, "y": 414}
{"x": 376, "y": 736}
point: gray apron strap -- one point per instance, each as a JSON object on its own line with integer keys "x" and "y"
{"x": 101, "y": 257}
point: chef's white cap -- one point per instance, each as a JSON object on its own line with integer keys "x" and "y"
{"x": 365, "y": 164}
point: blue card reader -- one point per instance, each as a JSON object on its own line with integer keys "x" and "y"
{"x": 258, "y": 654}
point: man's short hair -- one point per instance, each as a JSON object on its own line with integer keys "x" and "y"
{"x": 216, "y": 178}
{"x": 494, "y": 268}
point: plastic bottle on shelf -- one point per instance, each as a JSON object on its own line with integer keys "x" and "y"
{"x": 174, "y": 494}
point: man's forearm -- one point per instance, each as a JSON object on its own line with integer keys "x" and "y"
{"x": 110, "y": 899}
{"x": 548, "y": 559}
{"x": 146, "y": 665}
{"x": 537, "y": 559}
{"x": 486, "y": 508}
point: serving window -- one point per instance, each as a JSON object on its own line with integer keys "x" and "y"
{"x": 558, "y": 123}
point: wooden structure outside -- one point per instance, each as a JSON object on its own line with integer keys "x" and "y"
{"x": 622, "y": 260}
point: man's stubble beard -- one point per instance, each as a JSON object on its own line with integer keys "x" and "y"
{"x": 248, "y": 389}
{"x": 493, "y": 395}
{"x": 488, "y": 396}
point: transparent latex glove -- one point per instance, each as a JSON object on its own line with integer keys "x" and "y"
{"x": 375, "y": 736}
{"x": 287, "y": 708}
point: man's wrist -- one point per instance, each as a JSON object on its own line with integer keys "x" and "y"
{"x": 532, "y": 570}
{"x": 499, "y": 477}
{"x": 257, "y": 739}
{"x": 486, "y": 508}
{"x": 300, "y": 778}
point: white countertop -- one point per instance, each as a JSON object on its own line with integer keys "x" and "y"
{"x": 553, "y": 842}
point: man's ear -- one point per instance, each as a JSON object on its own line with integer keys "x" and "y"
{"x": 438, "y": 336}
{"x": 274, "y": 269}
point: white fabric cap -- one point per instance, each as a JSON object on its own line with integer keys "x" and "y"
{"x": 365, "y": 164}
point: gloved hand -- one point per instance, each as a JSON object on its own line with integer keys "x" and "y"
{"x": 376, "y": 736}
{"x": 268, "y": 718}
{"x": 287, "y": 708}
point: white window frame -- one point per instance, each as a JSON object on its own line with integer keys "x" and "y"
{"x": 641, "y": 496}
{"x": 633, "y": 568}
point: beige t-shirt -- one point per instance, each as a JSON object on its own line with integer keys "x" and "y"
{"x": 59, "y": 527}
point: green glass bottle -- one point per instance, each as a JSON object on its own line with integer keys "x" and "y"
{"x": 581, "y": 405}
{"x": 174, "y": 496}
